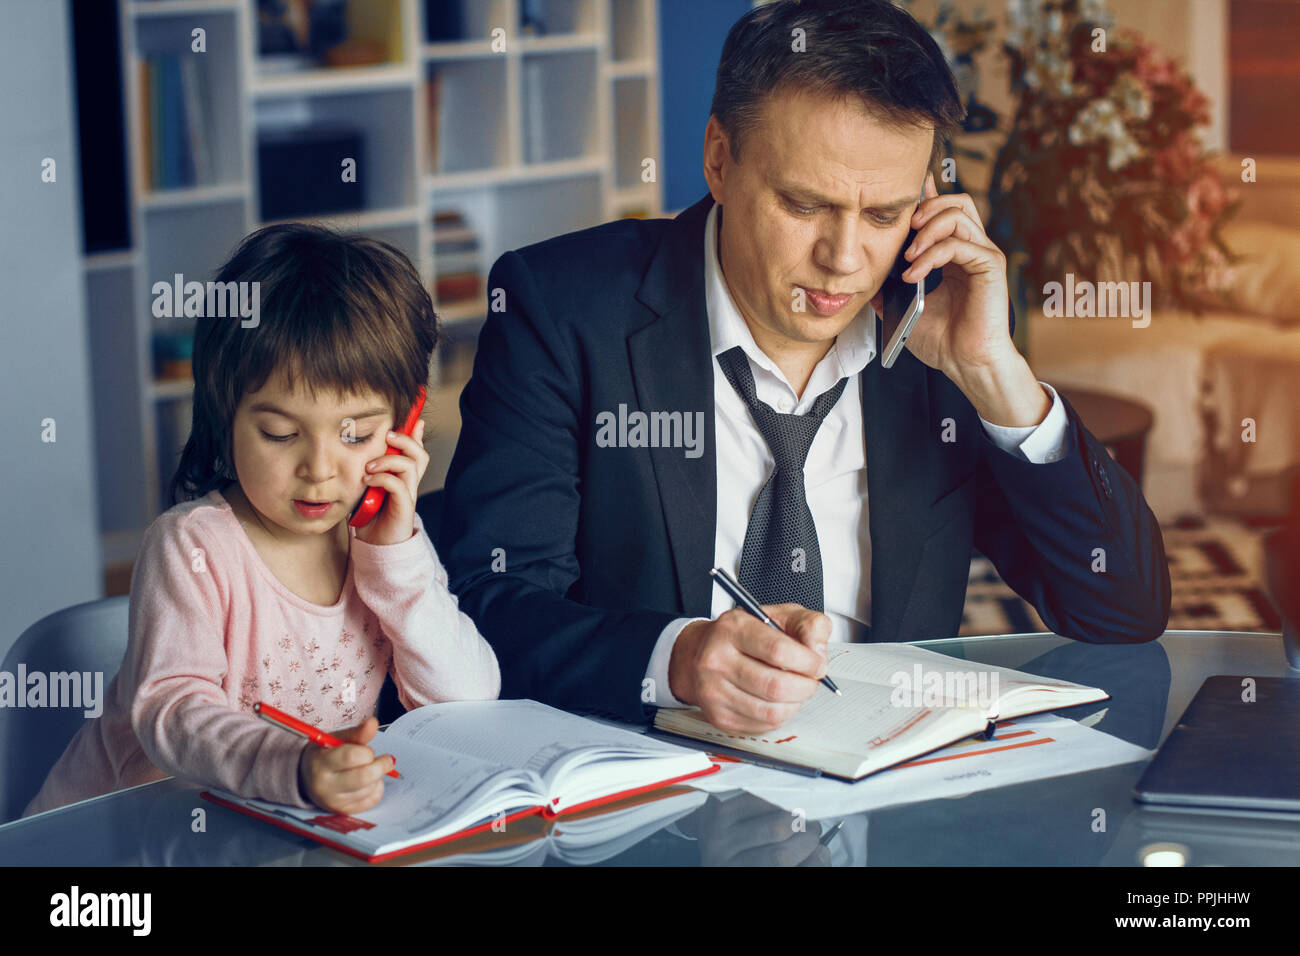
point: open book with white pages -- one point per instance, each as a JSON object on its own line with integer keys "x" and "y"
{"x": 469, "y": 765}
{"x": 898, "y": 701}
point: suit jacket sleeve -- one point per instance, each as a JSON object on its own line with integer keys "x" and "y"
{"x": 1076, "y": 539}
{"x": 513, "y": 506}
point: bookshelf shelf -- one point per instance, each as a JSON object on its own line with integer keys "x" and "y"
{"x": 348, "y": 79}
{"x": 620, "y": 69}
{"x": 169, "y": 8}
{"x": 458, "y": 50}
{"x": 119, "y": 259}
{"x": 559, "y": 44}
{"x": 522, "y": 143}
{"x": 530, "y": 172}
{"x": 192, "y": 196}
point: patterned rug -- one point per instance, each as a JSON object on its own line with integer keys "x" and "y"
{"x": 1215, "y": 567}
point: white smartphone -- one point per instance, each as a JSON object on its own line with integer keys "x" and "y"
{"x": 903, "y": 302}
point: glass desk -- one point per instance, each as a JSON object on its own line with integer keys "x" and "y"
{"x": 1042, "y": 823}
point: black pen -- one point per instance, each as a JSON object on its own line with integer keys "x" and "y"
{"x": 748, "y": 602}
{"x": 830, "y": 834}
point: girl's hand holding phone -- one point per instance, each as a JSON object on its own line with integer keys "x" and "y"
{"x": 348, "y": 778}
{"x": 399, "y": 475}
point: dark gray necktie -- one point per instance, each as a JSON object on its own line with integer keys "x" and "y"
{"x": 781, "y": 561}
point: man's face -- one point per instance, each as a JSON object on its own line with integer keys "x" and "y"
{"x": 301, "y": 459}
{"x": 821, "y": 202}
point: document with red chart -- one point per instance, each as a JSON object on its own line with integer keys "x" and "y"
{"x": 467, "y": 766}
{"x": 898, "y": 701}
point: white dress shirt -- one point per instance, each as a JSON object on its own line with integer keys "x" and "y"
{"x": 835, "y": 474}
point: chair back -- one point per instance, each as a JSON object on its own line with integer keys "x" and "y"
{"x": 87, "y": 638}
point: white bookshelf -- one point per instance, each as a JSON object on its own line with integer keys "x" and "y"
{"x": 592, "y": 80}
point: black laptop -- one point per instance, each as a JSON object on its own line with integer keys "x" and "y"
{"x": 1231, "y": 753}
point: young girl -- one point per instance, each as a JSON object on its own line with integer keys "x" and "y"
{"x": 254, "y": 587}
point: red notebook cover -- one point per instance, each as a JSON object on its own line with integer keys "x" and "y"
{"x": 344, "y": 823}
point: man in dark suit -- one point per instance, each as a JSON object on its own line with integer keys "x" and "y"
{"x": 659, "y": 397}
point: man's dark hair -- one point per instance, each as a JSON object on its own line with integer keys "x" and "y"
{"x": 870, "y": 50}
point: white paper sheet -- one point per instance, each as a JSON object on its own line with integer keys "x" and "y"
{"x": 1027, "y": 748}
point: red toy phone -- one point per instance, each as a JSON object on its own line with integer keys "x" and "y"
{"x": 373, "y": 499}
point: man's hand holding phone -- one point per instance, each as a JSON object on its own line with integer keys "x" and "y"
{"x": 745, "y": 676}
{"x": 964, "y": 331}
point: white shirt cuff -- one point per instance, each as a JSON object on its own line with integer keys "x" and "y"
{"x": 1042, "y": 443}
{"x": 657, "y": 670}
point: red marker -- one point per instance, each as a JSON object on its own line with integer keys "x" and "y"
{"x": 295, "y": 726}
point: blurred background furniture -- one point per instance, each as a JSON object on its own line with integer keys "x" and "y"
{"x": 87, "y": 638}
{"x": 1118, "y": 423}
{"x": 1203, "y": 376}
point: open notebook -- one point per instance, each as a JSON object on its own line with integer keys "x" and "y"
{"x": 583, "y": 838}
{"x": 470, "y": 766}
{"x": 899, "y": 701}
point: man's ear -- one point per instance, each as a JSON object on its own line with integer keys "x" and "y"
{"x": 717, "y": 156}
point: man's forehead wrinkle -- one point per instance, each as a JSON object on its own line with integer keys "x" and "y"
{"x": 856, "y": 175}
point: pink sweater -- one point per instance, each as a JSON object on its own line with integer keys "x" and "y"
{"x": 212, "y": 631}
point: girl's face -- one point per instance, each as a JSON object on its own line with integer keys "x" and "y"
{"x": 301, "y": 460}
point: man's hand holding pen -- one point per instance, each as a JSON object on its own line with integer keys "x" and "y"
{"x": 745, "y": 676}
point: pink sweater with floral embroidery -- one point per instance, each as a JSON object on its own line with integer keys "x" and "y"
{"x": 212, "y": 631}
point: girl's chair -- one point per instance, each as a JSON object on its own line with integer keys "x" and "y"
{"x": 88, "y": 637}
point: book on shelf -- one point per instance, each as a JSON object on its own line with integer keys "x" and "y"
{"x": 467, "y": 766}
{"x": 899, "y": 702}
{"x": 197, "y": 115}
{"x": 173, "y": 354}
{"x": 175, "y": 117}
{"x": 455, "y": 287}
{"x": 375, "y": 28}
{"x": 296, "y": 36}
{"x": 535, "y": 118}
{"x": 431, "y": 105}
{"x": 444, "y": 20}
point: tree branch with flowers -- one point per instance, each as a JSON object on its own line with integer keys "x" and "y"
{"x": 1102, "y": 173}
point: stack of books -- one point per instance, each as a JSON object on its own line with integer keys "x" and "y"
{"x": 457, "y": 273}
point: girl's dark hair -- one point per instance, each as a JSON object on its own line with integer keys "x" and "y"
{"x": 865, "y": 49}
{"x": 347, "y": 313}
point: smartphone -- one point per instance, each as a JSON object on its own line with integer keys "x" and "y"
{"x": 903, "y": 304}
{"x": 374, "y": 498}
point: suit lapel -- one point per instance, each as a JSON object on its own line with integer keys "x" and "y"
{"x": 672, "y": 370}
{"x": 896, "y": 413}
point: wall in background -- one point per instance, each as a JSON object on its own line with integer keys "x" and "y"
{"x": 690, "y": 42}
{"x": 49, "y": 551}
